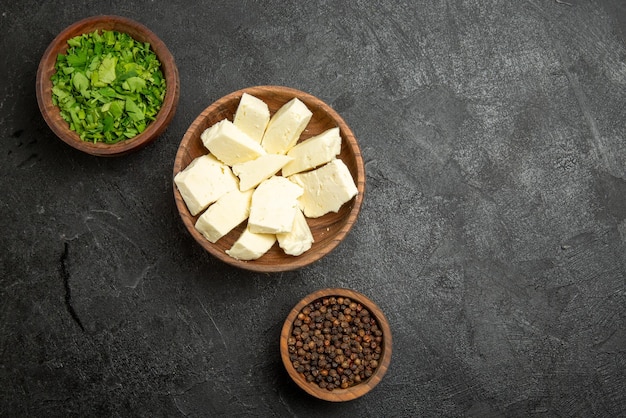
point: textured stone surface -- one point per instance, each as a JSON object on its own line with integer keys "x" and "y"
{"x": 493, "y": 231}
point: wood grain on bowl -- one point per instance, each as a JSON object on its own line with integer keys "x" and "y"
{"x": 338, "y": 394}
{"x": 329, "y": 230}
{"x": 51, "y": 112}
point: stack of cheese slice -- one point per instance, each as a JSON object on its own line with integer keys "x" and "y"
{"x": 238, "y": 180}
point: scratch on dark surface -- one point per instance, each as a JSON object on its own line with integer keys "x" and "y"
{"x": 31, "y": 157}
{"x": 599, "y": 344}
{"x": 66, "y": 283}
{"x": 596, "y": 138}
{"x": 179, "y": 408}
{"x": 213, "y": 322}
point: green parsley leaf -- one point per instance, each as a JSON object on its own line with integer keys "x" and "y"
{"x": 133, "y": 110}
{"x": 106, "y": 69}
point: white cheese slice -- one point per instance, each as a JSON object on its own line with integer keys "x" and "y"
{"x": 250, "y": 245}
{"x": 285, "y": 127}
{"x": 222, "y": 216}
{"x": 229, "y": 144}
{"x": 299, "y": 239}
{"x": 313, "y": 152}
{"x": 274, "y": 206}
{"x": 204, "y": 181}
{"x": 252, "y": 116}
{"x": 325, "y": 188}
{"x": 253, "y": 172}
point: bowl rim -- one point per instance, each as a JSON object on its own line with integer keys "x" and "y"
{"x": 295, "y": 262}
{"x": 51, "y": 112}
{"x": 354, "y": 392}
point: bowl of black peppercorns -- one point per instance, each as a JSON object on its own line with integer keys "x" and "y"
{"x": 336, "y": 344}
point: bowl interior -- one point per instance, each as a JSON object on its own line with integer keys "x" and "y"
{"x": 328, "y": 230}
{"x": 52, "y": 114}
{"x": 337, "y": 394}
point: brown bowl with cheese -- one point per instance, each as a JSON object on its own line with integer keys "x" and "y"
{"x": 269, "y": 179}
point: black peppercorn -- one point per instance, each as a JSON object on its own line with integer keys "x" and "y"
{"x": 335, "y": 343}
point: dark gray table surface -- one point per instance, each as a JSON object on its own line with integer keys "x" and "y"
{"x": 492, "y": 233}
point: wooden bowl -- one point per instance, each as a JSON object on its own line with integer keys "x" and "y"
{"x": 328, "y": 231}
{"x": 337, "y": 394}
{"x": 51, "y": 112}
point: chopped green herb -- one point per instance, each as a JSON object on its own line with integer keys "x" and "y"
{"x": 108, "y": 86}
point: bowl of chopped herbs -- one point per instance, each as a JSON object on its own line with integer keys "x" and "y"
{"x": 107, "y": 86}
{"x": 336, "y": 344}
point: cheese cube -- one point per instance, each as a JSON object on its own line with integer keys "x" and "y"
{"x": 222, "y": 216}
{"x": 313, "y": 152}
{"x": 274, "y": 206}
{"x": 325, "y": 188}
{"x": 253, "y": 172}
{"x": 299, "y": 239}
{"x": 252, "y": 116}
{"x": 250, "y": 246}
{"x": 285, "y": 127}
{"x": 204, "y": 181}
{"x": 229, "y": 144}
